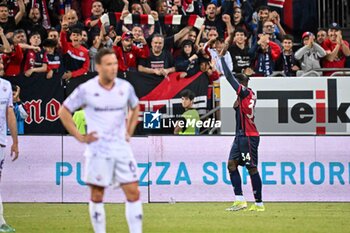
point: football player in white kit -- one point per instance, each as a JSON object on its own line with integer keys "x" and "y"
{"x": 7, "y": 115}
{"x": 111, "y": 112}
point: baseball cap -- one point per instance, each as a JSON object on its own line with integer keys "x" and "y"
{"x": 306, "y": 34}
{"x": 127, "y": 35}
{"x": 334, "y": 25}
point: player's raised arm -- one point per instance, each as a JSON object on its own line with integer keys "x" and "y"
{"x": 229, "y": 76}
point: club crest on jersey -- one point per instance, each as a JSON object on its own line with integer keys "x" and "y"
{"x": 99, "y": 178}
{"x": 121, "y": 93}
{"x": 4, "y": 88}
{"x": 81, "y": 54}
{"x": 57, "y": 58}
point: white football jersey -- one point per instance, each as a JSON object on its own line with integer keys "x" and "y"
{"x": 105, "y": 113}
{"x": 5, "y": 102}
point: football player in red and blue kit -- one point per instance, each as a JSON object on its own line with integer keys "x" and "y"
{"x": 244, "y": 150}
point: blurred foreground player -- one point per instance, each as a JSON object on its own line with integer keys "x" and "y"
{"x": 7, "y": 115}
{"x": 244, "y": 150}
{"x": 109, "y": 159}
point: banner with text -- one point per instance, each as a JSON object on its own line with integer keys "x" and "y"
{"x": 303, "y": 168}
{"x": 307, "y": 105}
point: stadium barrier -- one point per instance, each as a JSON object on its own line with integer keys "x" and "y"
{"x": 293, "y": 168}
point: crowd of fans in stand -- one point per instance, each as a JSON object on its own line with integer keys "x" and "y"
{"x": 249, "y": 35}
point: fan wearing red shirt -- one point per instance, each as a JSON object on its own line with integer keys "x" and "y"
{"x": 336, "y": 48}
{"x": 128, "y": 53}
{"x": 35, "y": 61}
{"x": 12, "y": 58}
{"x": 75, "y": 56}
{"x": 92, "y": 22}
{"x": 53, "y": 57}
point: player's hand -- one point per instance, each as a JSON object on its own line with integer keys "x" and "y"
{"x": 155, "y": 15}
{"x": 310, "y": 43}
{"x": 1, "y": 31}
{"x": 339, "y": 37}
{"x": 142, "y": 40}
{"x": 236, "y": 104}
{"x": 36, "y": 49}
{"x": 14, "y": 151}
{"x": 125, "y": 13}
{"x": 64, "y": 23}
{"x": 49, "y": 74}
{"x": 28, "y": 73}
{"x": 193, "y": 57}
{"x": 226, "y": 18}
{"x": 248, "y": 71}
{"x": 158, "y": 72}
{"x": 117, "y": 40}
{"x": 67, "y": 75}
{"x": 183, "y": 75}
{"x": 295, "y": 68}
{"x": 165, "y": 72}
{"x": 88, "y": 138}
{"x": 127, "y": 137}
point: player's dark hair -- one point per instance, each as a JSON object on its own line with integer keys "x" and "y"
{"x": 210, "y": 4}
{"x": 288, "y": 37}
{"x": 263, "y": 8}
{"x": 241, "y": 30}
{"x": 100, "y": 1}
{"x": 4, "y": 5}
{"x": 76, "y": 30}
{"x": 35, "y": 33}
{"x": 18, "y": 31}
{"x": 187, "y": 93}
{"x": 194, "y": 30}
{"x": 10, "y": 40}
{"x": 52, "y": 30}
{"x": 101, "y": 53}
{"x": 242, "y": 78}
{"x": 157, "y": 35}
{"x": 49, "y": 43}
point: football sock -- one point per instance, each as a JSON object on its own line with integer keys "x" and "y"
{"x": 240, "y": 198}
{"x": 259, "y": 203}
{"x": 236, "y": 182}
{"x": 257, "y": 186}
{"x": 133, "y": 214}
{"x": 97, "y": 216}
{"x": 2, "y": 220}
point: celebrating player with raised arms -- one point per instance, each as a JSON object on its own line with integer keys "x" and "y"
{"x": 109, "y": 160}
{"x": 244, "y": 150}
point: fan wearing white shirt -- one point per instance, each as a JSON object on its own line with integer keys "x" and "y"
{"x": 111, "y": 112}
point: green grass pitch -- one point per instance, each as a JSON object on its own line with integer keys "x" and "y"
{"x": 184, "y": 217}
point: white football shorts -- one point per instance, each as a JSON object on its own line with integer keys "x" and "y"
{"x": 103, "y": 172}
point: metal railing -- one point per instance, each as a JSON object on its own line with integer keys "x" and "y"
{"x": 333, "y": 11}
{"x": 204, "y": 117}
{"x": 337, "y": 72}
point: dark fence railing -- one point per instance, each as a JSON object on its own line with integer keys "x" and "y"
{"x": 333, "y": 11}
